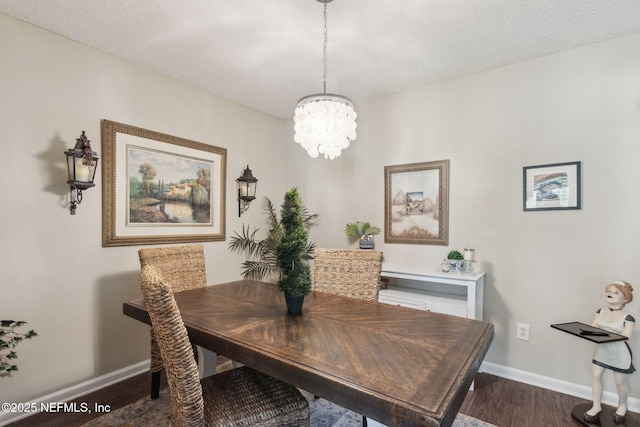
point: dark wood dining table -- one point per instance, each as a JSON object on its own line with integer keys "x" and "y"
{"x": 396, "y": 365}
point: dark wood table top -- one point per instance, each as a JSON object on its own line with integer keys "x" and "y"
{"x": 399, "y": 366}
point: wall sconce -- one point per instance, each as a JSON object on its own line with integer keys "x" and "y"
{"x": 246, "y": 190}
{"x": 81, "y": 167}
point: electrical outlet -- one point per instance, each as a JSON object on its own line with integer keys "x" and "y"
{"x": 522, "y": 333}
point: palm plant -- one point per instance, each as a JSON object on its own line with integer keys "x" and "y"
{"x": 361, "y": 229}
{"x": 263, "y": 255}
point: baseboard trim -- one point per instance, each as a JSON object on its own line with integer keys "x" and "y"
{"x": 78, "y": 390}
{"x": 554, "y": 384}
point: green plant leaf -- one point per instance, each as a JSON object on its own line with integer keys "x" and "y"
{"x": 360, "y": 228}
{"x": 10, "y": 338}
{"x": 284, "y": 250}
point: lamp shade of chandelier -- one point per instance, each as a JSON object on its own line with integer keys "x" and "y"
{"x": 325, "y": 123}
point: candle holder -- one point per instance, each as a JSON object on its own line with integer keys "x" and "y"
{"x": 81, "y": 169}
{"x": 469, "y": 254}
{"x": 467, "y": 267}
{"x": 247, "y": 184}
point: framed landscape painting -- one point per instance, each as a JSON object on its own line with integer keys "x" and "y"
{"x": 417, "y": 203}
{"x": 551, "y": 187}
{"x": 159, "y": 188}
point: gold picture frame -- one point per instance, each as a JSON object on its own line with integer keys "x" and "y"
{"x": 417, "y": 203}
{"x": 158, "y": 188}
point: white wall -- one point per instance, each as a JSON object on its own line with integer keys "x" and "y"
{"x": 55, "y": 274}
{"x": 542, "y": 267}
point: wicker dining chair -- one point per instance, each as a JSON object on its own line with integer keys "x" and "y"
{"x": 238, "y": 397}
{"x": 353, "y": 273}
{"x": 184, "y": 268}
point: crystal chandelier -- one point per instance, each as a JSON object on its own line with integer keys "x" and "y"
{"x": 324, "y": 122}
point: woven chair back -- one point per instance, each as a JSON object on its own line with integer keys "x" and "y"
{"x": 183, "y": 267}
{"x": 187, "y": 405}
{"x": 350, "y": 273}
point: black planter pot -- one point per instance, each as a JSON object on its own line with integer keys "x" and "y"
{"x": 294, "y": 303}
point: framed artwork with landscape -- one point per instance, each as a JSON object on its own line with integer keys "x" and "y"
{"x": 417, "y": 203}
{"x": 551, "y": 187}
{"x": 159, "y": 188}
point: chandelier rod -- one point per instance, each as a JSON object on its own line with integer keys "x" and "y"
{"x": 324, "y": 51}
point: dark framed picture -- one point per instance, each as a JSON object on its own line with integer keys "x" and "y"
{"x": 551, "y": 187}
{"x": 159, "y": 188}
{"x": 417, "y": 203}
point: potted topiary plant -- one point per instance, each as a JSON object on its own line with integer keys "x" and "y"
{"x": 285, "y": 253}
{"x": 454, "y": 258}
{"x": 364, "y": 232}
{"x": 9, "y": 339}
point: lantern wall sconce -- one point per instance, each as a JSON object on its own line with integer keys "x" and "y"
{"x": 246, "y": 190}
{"x": 81, "y": 168}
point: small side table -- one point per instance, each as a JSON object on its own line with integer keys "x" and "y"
{"x": 598, "y": 336}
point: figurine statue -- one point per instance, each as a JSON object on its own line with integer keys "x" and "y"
{"x": 615, "y": 356}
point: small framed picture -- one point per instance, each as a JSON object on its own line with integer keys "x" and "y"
{"x": 551, "y": 187}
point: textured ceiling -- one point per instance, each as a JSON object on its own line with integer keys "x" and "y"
{"x": 268, "y": 53}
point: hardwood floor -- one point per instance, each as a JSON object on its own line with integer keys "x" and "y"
{"x": 496, "y": 400}
{"x": 508, "y": 403}
{"x": 117, "y": 396}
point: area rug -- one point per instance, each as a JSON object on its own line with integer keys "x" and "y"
{"x": 148, "y": 412}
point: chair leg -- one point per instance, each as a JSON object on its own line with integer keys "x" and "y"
{"x": 155, "y": 384}
{"x": 364, "y": 421}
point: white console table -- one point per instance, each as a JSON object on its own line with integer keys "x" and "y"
{"x": 449, "y": 293}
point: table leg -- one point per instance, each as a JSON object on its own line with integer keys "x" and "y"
{"x": 207, "y": 361}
